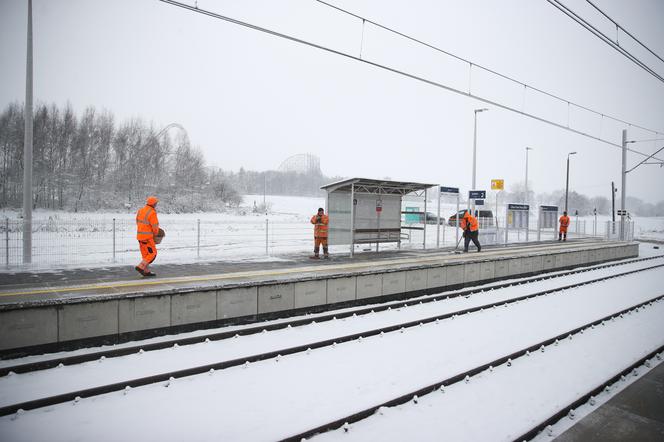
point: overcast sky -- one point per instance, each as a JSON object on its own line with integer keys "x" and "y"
{"x": 250, "y": 99}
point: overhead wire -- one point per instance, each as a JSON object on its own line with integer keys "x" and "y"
{"x": 484, "y": 68}
{"x": 599, "y": 34}
{"x": 402, "y": 73}
{"x": 625, "y": 31}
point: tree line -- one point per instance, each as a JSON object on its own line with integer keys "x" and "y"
{"x": 92, "y": 162}
{"x": 585, "y": 205}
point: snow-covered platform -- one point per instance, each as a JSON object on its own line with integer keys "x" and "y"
{"x": 71, "y": 308}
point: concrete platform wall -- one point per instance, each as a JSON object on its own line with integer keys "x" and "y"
{"x": 29, "y": 327}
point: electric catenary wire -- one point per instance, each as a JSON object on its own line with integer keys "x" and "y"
{"x": 406, "y": 74}
{"x": 484, "y": 68}
{"x": 599, "y": 34}
{"x": 618, "y": 26}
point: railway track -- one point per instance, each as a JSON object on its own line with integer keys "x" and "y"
{"x": 170, "y": 375}
{"x": 508, "y": 359}
{"x": 217, "y": 336}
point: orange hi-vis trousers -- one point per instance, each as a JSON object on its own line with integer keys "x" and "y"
{"x": 320, "y": 241}
{"x": 148, "y": 252}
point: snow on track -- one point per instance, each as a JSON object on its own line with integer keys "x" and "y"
{"x": 532, "y": 389}
{"x": 280, "y": 397}
{"x": 43, "y": 383}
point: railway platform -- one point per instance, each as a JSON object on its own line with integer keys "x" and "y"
{"x": 70, "y": 308}
{"x": 634, "y": 414}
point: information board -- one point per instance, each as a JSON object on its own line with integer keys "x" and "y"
{"x": 497, "y": 184}
{"x": 548, "y": 217}
{"x": 477, "y": 194}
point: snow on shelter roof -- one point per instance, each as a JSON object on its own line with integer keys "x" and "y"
{"x": 366, "y": 185}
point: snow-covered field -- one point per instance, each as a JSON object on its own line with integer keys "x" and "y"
{"x": 279, "y": 397}
{"x": 63, "y": 240}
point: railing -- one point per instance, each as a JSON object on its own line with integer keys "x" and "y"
{"x": 95, "y": 242}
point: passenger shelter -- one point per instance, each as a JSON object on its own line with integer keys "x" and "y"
{"x": 368, "y": 211}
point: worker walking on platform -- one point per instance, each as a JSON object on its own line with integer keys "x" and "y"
{"x": 564, "y": 224}
{"x": 147, "y": 228}
{"x": 471, "y": 231}
{"x": 320, "y": 221}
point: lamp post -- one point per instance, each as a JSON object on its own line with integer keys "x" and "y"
{"x": 27, "y": 149}
{"x": 567, "y": 181}
{"x": 475, "y": 150}
{"x": 527, "y": 149}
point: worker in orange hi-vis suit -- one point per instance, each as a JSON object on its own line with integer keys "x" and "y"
{"x": 147, "y": 228}
{"x": 320, "y": 221}
{"x": 564, "y": 224}
{"x": 471, "y": 232}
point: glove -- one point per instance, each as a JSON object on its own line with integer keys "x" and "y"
{"x": 318, "y": 219}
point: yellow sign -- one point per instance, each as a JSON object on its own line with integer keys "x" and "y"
{"x": 497, "y": 184}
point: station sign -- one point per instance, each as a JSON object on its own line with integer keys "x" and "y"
{"x": 477, "y": 194}
{"x": 549, "y": 208}
{"x": 479, "y": 202}
{"x": 497, "y": 184}
{"x": 444, "y": 189}
{"x": 621, "y": 212}
{"x": 518, "y": 207}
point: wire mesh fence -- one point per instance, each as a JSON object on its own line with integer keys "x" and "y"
{"x": 99, "y": 242}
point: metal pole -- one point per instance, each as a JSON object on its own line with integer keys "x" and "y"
{"x": 424, "y": 240}
{"x": 27, "y": 149}
{"x": 378, "y": 225}
{"x": 539, "y": 224}
{"x": 474, "y": 155}
{"x": 438, "y": 223}
{"x": 266, "y": 236}
{"x": 496, "y": 213}
{"x": 113, "y": 239}
{"x": 507, "y": 226}
{"x": 457, "y": 221}
{"x": 7, "y": 242}
{"x": 567, "y": 184}
{"x": 198, "y": 238}
{"x": 352, "y": 219}
{"x": 595, "y": 225}
{"x": 526, "y": 198}
{"x": 613, "y": 207}
{"x": 623, "y": 191}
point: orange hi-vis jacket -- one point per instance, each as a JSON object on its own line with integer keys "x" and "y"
{"x": 564, "y": 223}
{"x": 320, "y": 231}
{"x": 147, "y": 224}
{"x": 468, "y": 218}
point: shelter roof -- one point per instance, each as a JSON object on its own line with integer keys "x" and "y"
{"x": 384, "y": 187}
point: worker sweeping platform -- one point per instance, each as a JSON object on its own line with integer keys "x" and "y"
{"x": 148, "y": 235}
{"x": 320, "y": 222}
{"x": 471, "y": 232}
{"x": 564, "y": 224}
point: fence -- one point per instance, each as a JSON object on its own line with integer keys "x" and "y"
{"x": 107, "y": 241}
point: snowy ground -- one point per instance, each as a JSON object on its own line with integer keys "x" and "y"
{"x": 62, "y": 240}
{"x": 280, "y": 397}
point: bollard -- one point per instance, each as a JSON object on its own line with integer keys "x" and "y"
{"x": 198, "y": 238}
{"x": 266, "y": 240}
{"x": 113, "y": 239}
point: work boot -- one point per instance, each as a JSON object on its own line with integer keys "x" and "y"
{"x": 326, "y": 256}
{"x": 479, "y": 249}
{"x": 149, "y": 273}
{"x": 139, "y": 270}
{"x": 314, "y": 257}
